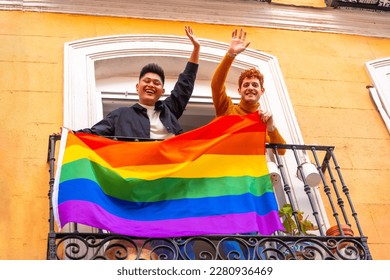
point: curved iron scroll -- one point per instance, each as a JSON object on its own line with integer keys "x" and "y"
{"x": 235, "y": 247}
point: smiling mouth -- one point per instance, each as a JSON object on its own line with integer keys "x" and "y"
{"x": 250, "y": 94}
{"x": 149, "y": 91}
{"x": 250, "y": 91}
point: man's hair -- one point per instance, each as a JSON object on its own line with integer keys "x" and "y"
{"x": 153, "y": 68}
{"x": 251, "y": 73}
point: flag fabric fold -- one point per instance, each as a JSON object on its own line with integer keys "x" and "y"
{"x": 212, "y": 180}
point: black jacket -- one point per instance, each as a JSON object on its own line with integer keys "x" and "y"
{"x": 133, "y": 121}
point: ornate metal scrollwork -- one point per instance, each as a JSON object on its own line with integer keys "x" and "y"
{"x": 234, "y": 247}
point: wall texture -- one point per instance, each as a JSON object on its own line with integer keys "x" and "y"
{"x": 325, "y": 77}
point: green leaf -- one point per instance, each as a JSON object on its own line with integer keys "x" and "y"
{"x": 289, "y": 222}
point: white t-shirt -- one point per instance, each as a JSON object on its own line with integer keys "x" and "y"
{"x": 157, "y": 129}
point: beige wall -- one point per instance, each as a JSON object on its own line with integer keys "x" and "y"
{"x": 325, "y": 77}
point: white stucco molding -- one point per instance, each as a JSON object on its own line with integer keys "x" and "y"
{"x": 379, "y": 72}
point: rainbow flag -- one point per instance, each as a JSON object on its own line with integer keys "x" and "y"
{"x": 212, "y": 180}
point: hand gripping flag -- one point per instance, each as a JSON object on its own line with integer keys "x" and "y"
{"x": 212, "y": 180}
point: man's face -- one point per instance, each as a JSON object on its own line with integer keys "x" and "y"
{"x": 150, "y": 89}
{"x": 250, "y": 90}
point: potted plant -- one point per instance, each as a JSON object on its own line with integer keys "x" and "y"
{"x": 335, "y": 231}
{"x": 289, "y": 223}
{"x": 291, "y": 228}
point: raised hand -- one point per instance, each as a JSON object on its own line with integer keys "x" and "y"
{"x": 192, "y": 37}
{"x": 238, "y": 44}
{"x": 194, "y": 58}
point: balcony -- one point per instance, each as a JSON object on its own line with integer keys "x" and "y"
{"x": 78, "y": 242}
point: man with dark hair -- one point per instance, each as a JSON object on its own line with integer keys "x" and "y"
{"x": 153, "y": 68}
{"x": 151, "y": 117}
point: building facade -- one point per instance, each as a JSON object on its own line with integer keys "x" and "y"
{"x": 321, "y": 70}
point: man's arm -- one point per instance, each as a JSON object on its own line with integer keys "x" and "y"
{"x": 220, "y": 99}
{"x": 273, "y": 133}
{"x": 218, "y": 89}
{"x": 182, "y": 91}
{"x": 105, "y": 127}
{"x": 194, "y": 58}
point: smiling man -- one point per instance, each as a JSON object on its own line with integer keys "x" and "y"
{"x": 250, "y": 88}
{"x": 152, "y": 118}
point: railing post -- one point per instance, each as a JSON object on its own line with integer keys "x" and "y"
{"x": 51, "y": 248}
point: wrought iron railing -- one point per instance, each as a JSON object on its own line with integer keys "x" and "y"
{"x": 330, "y": 195}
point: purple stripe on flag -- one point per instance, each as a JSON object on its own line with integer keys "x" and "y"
{"x": 91, "y": 214}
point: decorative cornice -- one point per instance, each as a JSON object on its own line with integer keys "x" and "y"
{"x": 229, "y": 12}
